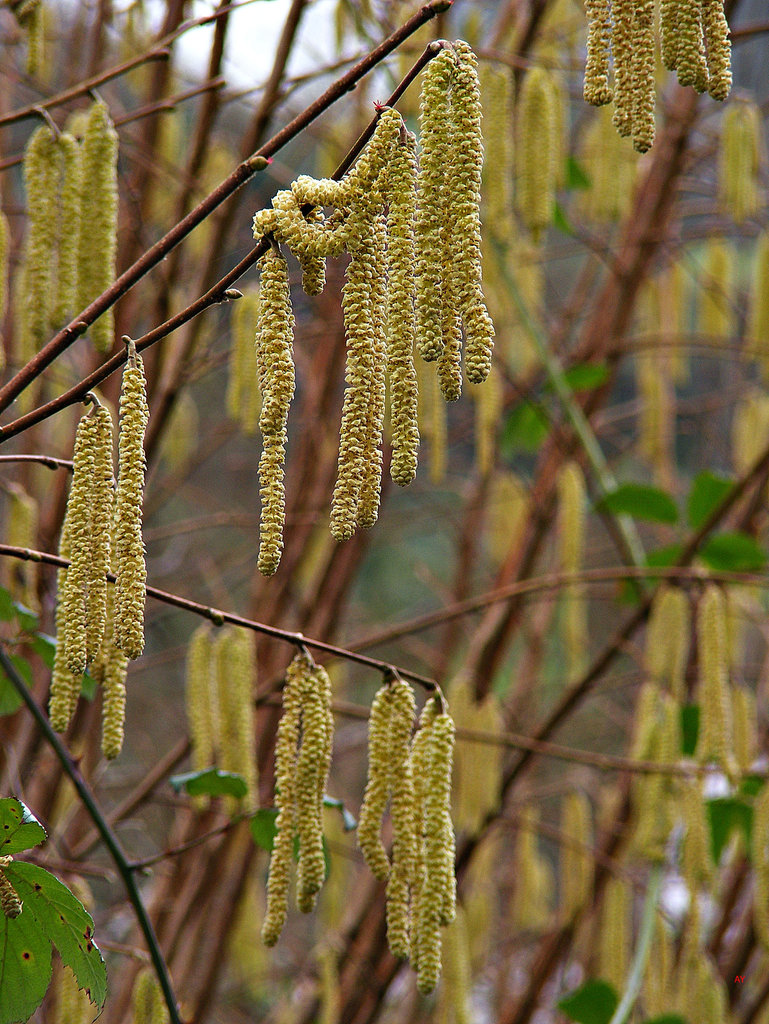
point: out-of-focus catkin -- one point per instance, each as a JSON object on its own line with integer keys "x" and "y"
{"x": 243, "y": 398}
{"x": 531, "y": 907}
{"x": 67, "y": 229}
{"x": 757, "y": 327}
{"x": 716, "y": 312}
{"x": 760, "y": 847}
{"x": 576, "y": 867}
{"x": 22, "y": 520}
{"x": 535, "y": 152}
{"x": 201, "y": 699}
{"x": 614, "y": 934}
{"x": 235, "y": 675}
{"x": 667, "y": 639}
{"x": 147, "y": 1002}
{"x": 97, "y": 245}
{"x": 739, "y": 160}
{"x": 130, "y": 567}
{"x": 478, "y": 764}
{"x": 571, "y": 540}
{"x": 40, "y": 181}
{"x": 715, "y": 740}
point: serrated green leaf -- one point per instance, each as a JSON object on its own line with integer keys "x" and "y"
{"x": 726, "y": 815}
{"x": 706, "y": 494}
{"x": 525, "y": 429}
{"x": 25, "y": 967}
{"x": 348, "y": 820}
{"x": 641, "y": 502}
{"x": 45, "y": 647}
{"x": 690, "y": 728}
{"x": 210, "y": 782}
{"x": 65, "y": 922}
{"x": 576, "y": 178}
{"x": 7, "y": 609}
{"x": 19, "y": 828}
{"x": 732, "y": 552}
{"x": 263, "y": 827}
{"x": 592, "y": 1003}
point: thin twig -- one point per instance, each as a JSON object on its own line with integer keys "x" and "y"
{"x": 44, "y": 460}
{"x": 110, "y": 839}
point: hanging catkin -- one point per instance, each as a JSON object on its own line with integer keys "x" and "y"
{"x": 201, "y": 700}
{"x": 147, "y": 1002}
{"x": 571, "y": 540}
{"x": 739, "y": 160}
{"x": 97, "y": 243}
{"x": 130, "y": 568}
{"x": 614, "y": 934}
{"x": 10, "y": 904}
{"x": 530, "y": 910}
{"x": 745, "y": 728}
{"x": 596, "y": 88}
{"x": 667, "y": 639}
{"x": 67, "y": 229}
{"x": 243, "y": 399}
{"x": 5, "y": 254}
{"x": 535, "y": 160}
{"x": 497, "y": 98}
{"x": 454, "y": 997}
{"x": 101, "y": 510}
{"x": 404, "y": 849}
{"x": 716, "y": 314}
{"x": 576, "y": 865}
{"x": 79, "y": 511}
{"x": 478, "y": 765}
{"x": 65, "y": 684}
{"x": 378, "y": 784}
{"x": 715, "y": 741}
{"x": 40, "y": 182}
{"x": 718, "y": 49}
{"x": 760, "y": 848}
{"x": 697, "y": 867}
{"x": 691, "y": 66}
{"x": 235, "y": 676}
{"x": 111, "y": 669}
{"x": 22, "y": 519}
{"x": 757, "y": 328}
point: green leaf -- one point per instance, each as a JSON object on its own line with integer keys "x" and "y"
{"x": 690, "y": 728}
{"x": 575, "y": 174}
{"x": 560, "y": 220}
{"x": 7, "y": 608}
{"x": 583, "y": 376}
{"x": 727, "y": 814}
{"x": 25, "y": 967}
{"x": 263, "y": 827}
{"x": 348, "y": 821}
{"x": 26, "y": 617}
{"x": 19, "y": 828}
{"x": 706, "y": 494}
{"x": 89, "y": 686}
{"x": 44, "y": 646}
{"x": 592, "y": 1003}
{"x": 751, "y": 785}
{"x": 667, "y": 1018}
{"x": 525, "y": 429}
{"x": 640, "y": 502}
{"x": 661, "y": 558}
{"x": 733, "y": 552}
{"x": 10, "y": 700}
{"x": 65, "y": 922}
{"x": 210, "y": 782}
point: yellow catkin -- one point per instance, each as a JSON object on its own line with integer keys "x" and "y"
{"x": 757, "y": 328}
{"x": 642, "y": 82}
{"x": 596, "y": 88}
{"x": 611, "y": 167}
{"x": 667, "y": 639}
{"x": 571, "y": 540}
{"x": 506, "y": 511}
{"x": 718, "y": 49}
{"x": 576, "y": 867}
{"x": 401, "y": 323}
{"x": 378, "y": 785}
{"x": 656, "y": 737}
{"x": 71, "y": 1002}
{"x": 201, "y": 699}
{"x": 10, "y": 903}
{"x": 688, "y": 967}
{"x": 478, "y": 765}
{"x": 697, "y": 867}
{"x": 669, "y": 33}
{"x": 97, "y": 245}
{"x": 101, "y": 502}
{"x": 745, "y": 728}
{"x": 147, "y": 1001}
{"x": 235, "y": 675}
{"x": 691, "y": 66}
{"x": 40, "y": 181}
{"x": 716, "y": 307}
{"x": 404, "y": 849}
{"x": 130, "y": 567}
{"x": 655, "y": 418}
{"x": 65, "y": 684}
{"x": 5, "y": 257}
{"x": 614, "y": 934}
{"x": 454, "y": 995}
{"x": 760, "y": 847}
{"x": 488, "y": 404}
{"x": 622, "y": 46}
{"x": 242, "y": 398}
{"x": 535, "y": 164}
{"x": 79, "y": 521}
{"x": 437, "y": 897}
{"x": 22, "y": 520}
{"x": 715, "y": 740}
{"x": 530, "y": 910}
{"x": 659, "y": 971}
{"x": 67, "y": 229}
{"x": 739, "y": 160}
{"x": 750, "y": 429}
{"x": 285, "y": 800}
{"x": 312, "y": 764}
{"x": 111, "y": 670}
{"x": 180, "y": 440}
{"x": 275, "y": 371}
{"x": 497, "y": 96}
{"x": 433, "y": 204}
{"x": 330, "y": 992}
{"x": 358, "y": 306}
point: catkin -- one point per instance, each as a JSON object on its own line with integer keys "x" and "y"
{"x": 433, "y": 210}
{"x": 535, "y": 165}
{"x": 718, "y": 49}
{"x": 9, "y": 899}
{"x": 697, "y": 867}
{"x": 111, "y": 670}
{"x": 478, "y": 765}
{"x": 745, "y": 728}
{"x": 40, "y": 182}
{"x": 243, "y": 399}
{"x": 457, "y": 978}
{"x": 614, "y": 934}
{"x": 716, "y": 315}
{"x": 622, "y": 47}
{"x": 596, "y": 88}
{"x": 576, "y": 861}
{"x": 379, "y": 782}
{"x": 130, "y": 567}
{"x": 530, "y": 908}
{"x": 201, "y": 700}
{"x": 79, "y": 525}
{"x": 643, "y": 84}
{"x": 715, "y": 741}
{"x": 101, "y": 509}
{"x": 22, "y": 527}
{"x": 401, "y": 323}
{"x": 739, "y": 160}
{"x": 147, "y": 1001}
{"x": 691, "y": 66}
{"x": 571, "y": 530}
{"x": 65, "y": 684}
{"x": 667, "y": 639}
{"x": 404, "y": 849}
{"x": 67, "y": 229}
{"x": 5, "y": 256}
{"x": 97, "y": 245}
{"x": 312, "y": 765}
{"x": 760, "y": 847}
{"x": 234, "y": 662}
{"x": 497, "y": 97}
{"x": 757, "y": 328}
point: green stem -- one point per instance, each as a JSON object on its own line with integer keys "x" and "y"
{"x": 110, "y": 839}
{"x": 641, "y": 955}
{"x": 576, "y": 417}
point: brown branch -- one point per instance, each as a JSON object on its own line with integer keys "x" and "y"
{"x": 44, "y": 460}
{"x": 67, "y": 336}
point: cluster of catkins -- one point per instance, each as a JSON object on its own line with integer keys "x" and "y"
{"x": 98, "y": 625}
{"x": 414, "y": 280}
{"x": 302, "y": 761}
{"x": 415, "y": 776}
{"x": 71, "y": 242}
{"x": 694, "y": 39}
